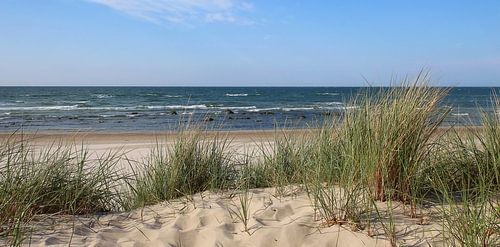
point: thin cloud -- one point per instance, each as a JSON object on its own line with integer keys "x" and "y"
{"x": 184, "y": 11}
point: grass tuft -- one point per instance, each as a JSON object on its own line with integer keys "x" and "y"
{"x": 57, "y": 179}
{"x": 195, "y": 162}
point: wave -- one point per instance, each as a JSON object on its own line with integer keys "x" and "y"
{"x": 122, "y": 108}
{"x": 298, "y": 108}
{"x": 83, "y": 107}
{"x": 236, "y": 94}
{"x": 460, "y": 114}
{"x": 40, "y": 108}
{"x": 102, "y": 96}
{"x": 236, "y": 107}
{"x": 343, "y": 108}
{"x": 141, "y": 107}
{"x": 172, "y": 96}
{"x": 333, "y": 94}
{"x": 265, "y": 109}
{"x": 201, "y": 107}
{"x": 176, "y": 107}
{"x": 336, "y": 103}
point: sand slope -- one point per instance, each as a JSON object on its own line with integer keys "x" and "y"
{"x": 206, "y": 219}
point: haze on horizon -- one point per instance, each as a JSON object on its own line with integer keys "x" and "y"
{"x": 247, "y": 42}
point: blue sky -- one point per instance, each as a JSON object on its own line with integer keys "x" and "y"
{"x": 246, "y": 42}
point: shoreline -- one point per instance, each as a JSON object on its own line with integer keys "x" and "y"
{"x": 141, "y": 135}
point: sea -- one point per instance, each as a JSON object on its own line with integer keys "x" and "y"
{"x": 150, "y": 109}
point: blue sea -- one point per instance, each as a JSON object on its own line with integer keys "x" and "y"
{"x": 144, "y": 109}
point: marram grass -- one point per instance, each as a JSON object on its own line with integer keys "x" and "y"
{"x": 57, "y": 179}
{"x": 195, "y": 162}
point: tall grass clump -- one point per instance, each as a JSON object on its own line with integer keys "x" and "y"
{"x": 470, "y": 217}
{"x": 195, "y": 162}
{"x": 284, "y": 160}
{"x": 490, "y": 142}
{"x": 388, "y": 137}
{"x": 336, "y": 192}
{"x": 469, "y": 207}
{"x": 466, "y": 178}
{"x": 376, "y": 150}
{"x": 57, "y": 179}
{"x": 472, "y": 152}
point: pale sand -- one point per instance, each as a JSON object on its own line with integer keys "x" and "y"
{"x": 209, "y": 219}
{"x": 136, "y": 146}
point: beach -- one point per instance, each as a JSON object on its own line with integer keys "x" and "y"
{"x": 384, "y": 174}
{"x": 210, "y": 219}
{"x": 136, "y": 145}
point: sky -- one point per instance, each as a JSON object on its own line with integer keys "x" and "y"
{"x": 247, "y": 42}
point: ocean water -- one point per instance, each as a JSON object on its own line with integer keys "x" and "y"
{"x": 138, "y": 109}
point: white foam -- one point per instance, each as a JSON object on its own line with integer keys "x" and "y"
{"x": 236, "y": 107}
{"x": 333, "y": 94}
{"x": 460, "y": 114}
{"x": 176, "y": 107}
{"x": 102, "y": 96}
{"x": 298, "y": 108}
{"x": 339, "y": 107}
{"x": 40, "y": 108}
{"x": 335, "y": 103}
{"x": 236, "y": 94}
{"x": 265, "y": 109}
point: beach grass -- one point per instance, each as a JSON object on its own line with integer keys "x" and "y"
{"x": 465, "y": 176}
{"x": 57, "y": 179}
{"x": 192, "y": 164}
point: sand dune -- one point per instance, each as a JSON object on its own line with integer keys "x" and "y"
{"x": 206, "y": 219}
{"x": 211, "y": 219}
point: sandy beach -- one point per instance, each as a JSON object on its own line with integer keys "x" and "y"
{"x": 134, "y": 145}
{"x": 210, "y": 219}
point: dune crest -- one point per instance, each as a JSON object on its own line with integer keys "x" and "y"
{"x": 207, "y": 219}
